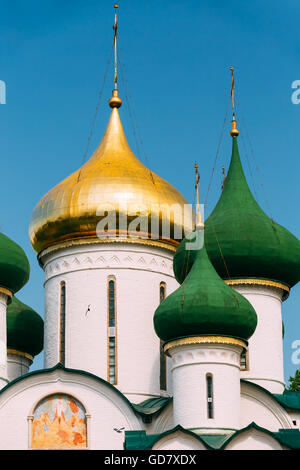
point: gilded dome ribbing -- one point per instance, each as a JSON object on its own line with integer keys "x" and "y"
{"x": 112, "y": 179}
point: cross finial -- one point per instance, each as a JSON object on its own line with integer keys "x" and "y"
{"x": 197, "y": 184}
{"x": 115, "y": 28}
{"x": 115, "y": 101}
{"x": 199, "y": 222}
{"x": 234, "y": 132}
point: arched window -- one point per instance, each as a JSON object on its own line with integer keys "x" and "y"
{"x": 163, "y": 362}
{"x": 162, "y": 291}
{"x": 59, "y": 421}
{"x": 112, "y": 328}
{"x": 62, "y": 323}
{"x": 209, "y": 390}
{"x": 244, "y": 360}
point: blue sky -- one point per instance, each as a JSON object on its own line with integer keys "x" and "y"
{"x": 177, "y": 56}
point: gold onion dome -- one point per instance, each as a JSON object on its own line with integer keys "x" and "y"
{"x": 112, "y": 181}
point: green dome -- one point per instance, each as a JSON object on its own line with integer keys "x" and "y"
{"x": 14, "y": 265}
{"x": 25, "y": 328}
{"x": 183, "y": 260}
{"x": 252, "y": 245}
{"x": 204, "y": 305}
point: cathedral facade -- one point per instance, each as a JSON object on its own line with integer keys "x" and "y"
{"x": 165, "y": 342}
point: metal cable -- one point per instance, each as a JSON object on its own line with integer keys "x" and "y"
{"x": 248, "y": 160}
{"x": 96, "y": 112}
{"x": 255, "y": 161}
{"x": 217, "y": 153}
{"x": 130, "y": 104}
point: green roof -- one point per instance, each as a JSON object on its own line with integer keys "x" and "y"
{"x": 288, "y": 399}
{"x": 14, "y": 265}
{"x": 139, "y": 440}
{"x": 152, "y": 407}
{"x": 241, "y": 240}
{"x": 25, "y": 328}
{"x": 204, "y": 305}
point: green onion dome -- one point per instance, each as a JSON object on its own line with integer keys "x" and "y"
{"x": 25, "y": 329}
{"x": 14, "y": 265}
{"x": 204, "y": 305}
{"x": 184, "y": 259}
{"x": 241, "y": 240}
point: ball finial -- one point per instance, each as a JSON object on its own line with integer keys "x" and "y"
{"x": 115, "y": 101}
{"x": 234, "y": 131}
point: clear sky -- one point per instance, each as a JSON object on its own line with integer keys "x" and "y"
{"x": 177, "y": 55}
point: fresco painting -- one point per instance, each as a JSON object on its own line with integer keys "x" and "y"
{"x": 59, "y": 422}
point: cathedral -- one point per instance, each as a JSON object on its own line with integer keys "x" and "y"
{"x": 162, "y": 330}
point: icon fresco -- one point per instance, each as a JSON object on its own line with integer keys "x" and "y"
{"x": 59, "y": 422}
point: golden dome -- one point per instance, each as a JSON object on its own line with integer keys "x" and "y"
{"x": 113, "y": 181}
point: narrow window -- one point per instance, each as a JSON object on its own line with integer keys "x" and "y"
{"x": 62, "y": 325}
{"x": 244, "y": 360}
{"x": 111, "y": 303}
{"x": 209, "y": 388}
{"x": 162, "y": 291}
{"x": 163, "y": 364}
{"x": 112, "y": 342}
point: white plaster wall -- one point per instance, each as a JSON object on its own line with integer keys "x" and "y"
{"x": 178, "y": 441}
{"x": 253, "y": 440}
{"x": 106, "y": 408}
{"x": 162, "y": 422}
{"x": 266, "y": 345}
{"x": 190, "y": 365}
{"x": 17, "y": 366}
{"x": 261, "y": 408}
{"x": 3, "y": 340}
{"x": 295, "y": 416}
{"x": 139, "y": 270}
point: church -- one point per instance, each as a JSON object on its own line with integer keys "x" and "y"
{"x": 162, "y": 330}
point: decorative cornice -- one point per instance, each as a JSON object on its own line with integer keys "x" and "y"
{"x": 92, "y": 241}
{"x": 108, "y": 259}
{"x": 260, "y": 282}
{"x": 203, "y": 340}
{"x": 20, "y": 353}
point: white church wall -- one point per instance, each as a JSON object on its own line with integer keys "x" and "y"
{"x": 17, "y": 364}
{"x": 105, "y": 409}
{"x": 295, "y": 418}
{"x": 178, "y": 441}
{"x": 3, "y": 339}
{"x": 253, "y": 439}
{"x": 266, "y": 345}
{"x": 190, "y": 366}
{"x": 163, "y": 422}
{"x": 259, "y": 407}
{"x": 138, "y": 270}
